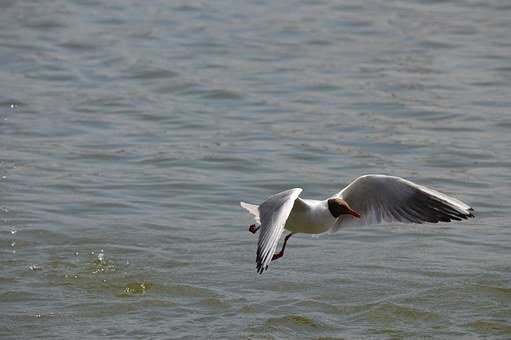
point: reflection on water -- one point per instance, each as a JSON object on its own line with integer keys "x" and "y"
{"x": 129, "y": 133}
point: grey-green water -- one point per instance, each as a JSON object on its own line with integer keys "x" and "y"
{"x": 129, "y": 132}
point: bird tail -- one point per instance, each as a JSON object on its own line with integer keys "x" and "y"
{"x": 253, "y": 210}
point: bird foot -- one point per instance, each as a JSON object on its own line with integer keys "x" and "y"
{"x": 253, "y": 229}
{"x": 277, "y": 255}
{"x": 281, "y": 252}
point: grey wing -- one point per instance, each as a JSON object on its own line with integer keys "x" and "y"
{"x": 273, "y": 214}
{"x": 380, "y": 198}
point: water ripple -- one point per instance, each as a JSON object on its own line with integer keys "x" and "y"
{"x": 129, "y": 132}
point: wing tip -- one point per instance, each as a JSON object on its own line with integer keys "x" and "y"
{"x": 468, "y": 213}
{"x": 259, "y": 262}
{"x": 260, "y": 267}
{"x": 465, "y": 215}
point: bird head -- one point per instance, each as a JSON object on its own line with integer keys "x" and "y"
{"x": 338, "y": 207}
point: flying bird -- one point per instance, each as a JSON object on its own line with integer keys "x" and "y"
{"x": 369, "y": 199}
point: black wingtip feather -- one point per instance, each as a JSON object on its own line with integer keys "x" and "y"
{"x": 259, "y": 262}
{"x": 260, "y": 268}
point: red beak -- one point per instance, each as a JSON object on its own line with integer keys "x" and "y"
{"x": 354, "y": 213}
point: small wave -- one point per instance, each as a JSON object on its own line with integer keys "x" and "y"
{"x": 296, "y": 322}
{"x": 392, "y": 311}
{"x": 490, "y": 327}
{"x": 222, "y": 95}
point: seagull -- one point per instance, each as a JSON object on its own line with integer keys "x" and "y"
{"x": 369, "y": 199}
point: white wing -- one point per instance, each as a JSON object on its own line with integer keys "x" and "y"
{"x": 252, "y": 210}
{"x": 381, "y": 198}
{"x": 273, "y": 215}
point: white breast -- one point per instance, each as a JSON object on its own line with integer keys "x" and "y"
{"x": 310, "y": 217}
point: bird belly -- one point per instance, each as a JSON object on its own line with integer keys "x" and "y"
{"x": 302, "y": 223}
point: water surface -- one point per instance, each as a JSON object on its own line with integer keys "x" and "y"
{"x": 130, "y": 131}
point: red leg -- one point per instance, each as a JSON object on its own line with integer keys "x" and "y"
{"x": 281, "y": 253}
{"x": 253, "y": 229}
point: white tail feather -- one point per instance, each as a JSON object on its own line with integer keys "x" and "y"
{"x": 253, "y": 210}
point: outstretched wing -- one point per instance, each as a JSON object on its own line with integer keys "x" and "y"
{"x": 380, "y": 198}
{"x": 273, "y": 214}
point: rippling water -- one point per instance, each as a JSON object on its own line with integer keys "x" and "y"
{"x": 130, "y": 131}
